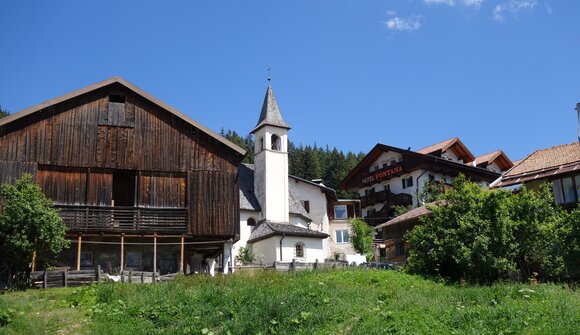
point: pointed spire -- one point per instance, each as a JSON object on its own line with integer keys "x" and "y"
{"x": 270, "y": 115}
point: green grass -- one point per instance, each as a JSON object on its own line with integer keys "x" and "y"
{"x": 327, "y": 302}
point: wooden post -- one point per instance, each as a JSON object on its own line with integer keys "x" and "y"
{"x": 130, "y": 276}
{"x": 142, "y": 277}
{"x": 33, "y": 260}
{"x": 64, "y": 279}
{"x": 154, "y": 277}
{"x": 122, "y": 252}
{"x": 182, "y": 253}
{"x": 154, "y": 252}
{"x": 80, "y": 241}
{"x": 98, "y": 273}
{"x": 294, "y": 264}
{"x": 44, "y": 279}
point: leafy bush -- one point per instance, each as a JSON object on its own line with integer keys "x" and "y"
{"x": 361, "y": 237}
{"x": 485, "y": 235}
{"x": 29, "y": 224}
{"x": 6, "y": 316}
{"x": 245, "y": 256}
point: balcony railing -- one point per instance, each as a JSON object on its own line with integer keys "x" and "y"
{"x": 401, "y": 199}
{"x": 124, "y": 219}
{"x": 385, "y": 196}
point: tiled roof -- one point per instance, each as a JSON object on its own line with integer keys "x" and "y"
{"x": 546, "y": 159}
{"x": 270, "y": 114}
{"x": 498, "y": 156}
{"x": 443, "y": 145}
{"x": 412, "y": 214}
{"x": 248, "y": 199}
{"x": 267, "y": 229}
{"x": 487, "y": 158}
{"x": 454, "y": 144}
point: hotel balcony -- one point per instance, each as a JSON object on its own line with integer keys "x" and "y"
{"x": 401, "y": 199}
{"x": 124, "y": 219}
{"x": 386, "y": 196}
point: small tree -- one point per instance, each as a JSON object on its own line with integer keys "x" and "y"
{"x": 361, "y": 237}
{"x": 29, "y": 224}
{"x": 245, "y": 256}
{"x": 3, "y": 112}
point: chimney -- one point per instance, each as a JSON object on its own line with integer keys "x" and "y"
{"x": 578, "y": 111}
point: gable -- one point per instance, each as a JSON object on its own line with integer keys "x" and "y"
{"x": 113, "y": 126}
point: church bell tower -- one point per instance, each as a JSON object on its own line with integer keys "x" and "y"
{"x": 271, "y": 161}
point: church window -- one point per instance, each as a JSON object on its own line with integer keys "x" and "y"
{"x": 276, "y": 143}
{"x": 251, "y": 222}
{"x": 299, "y": 250}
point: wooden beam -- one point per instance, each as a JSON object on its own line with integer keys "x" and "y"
{"x": 155, "y": 253}
{"x": 122, "y": 251}
{"x": 80, "y": 241}
{"x": 182, "y": 253}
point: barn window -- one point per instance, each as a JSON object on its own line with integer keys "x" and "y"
{"x": 276, "y": 143}
{"x": 299, "y": 249}
{"x": 118, "y": 113}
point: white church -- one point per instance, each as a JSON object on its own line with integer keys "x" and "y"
{"x": 282, "y": 217}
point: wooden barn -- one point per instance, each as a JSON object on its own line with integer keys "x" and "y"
{"x": 140, "y": 185}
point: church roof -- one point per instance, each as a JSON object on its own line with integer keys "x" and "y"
{"x": 270, "y": 115}
{"x": 248, "y": 200}
{"x": 267, "y": 229}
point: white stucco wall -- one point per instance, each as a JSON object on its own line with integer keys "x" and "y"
{"x": 245, "y": 230}
{"x": 268, "y": 250}
{"x": 450, "y": 155}
{"x": 385, "y": 158}
{"x": 313, "y": 194}
{"x": 271, "y": 175}
{"x": 334, "y": 246}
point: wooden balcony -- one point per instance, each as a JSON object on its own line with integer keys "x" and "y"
{"x": 388, "y": 197}
{"x": 124, "y": 219}
{"x": 401, "y": 199}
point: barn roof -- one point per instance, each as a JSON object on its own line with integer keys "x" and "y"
{"x": 137, "y": 90}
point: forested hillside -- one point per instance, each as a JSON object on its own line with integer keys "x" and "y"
{"x": 3, "y": 112}
{"x": 308, "y": 162}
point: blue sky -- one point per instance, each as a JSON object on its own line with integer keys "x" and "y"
{"x": 496, "y": 73}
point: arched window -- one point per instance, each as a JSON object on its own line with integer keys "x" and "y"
{"x": 276, "y": 145}
{"x": 299, "y": 250}
{"x": 251, "y": 222}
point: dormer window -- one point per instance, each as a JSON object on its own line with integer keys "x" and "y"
{"x": 276, "y": 143}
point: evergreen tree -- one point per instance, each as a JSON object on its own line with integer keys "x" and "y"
{"x": 3, "y": 112}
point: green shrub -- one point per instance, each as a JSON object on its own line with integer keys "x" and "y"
{"x": 485, "y": 235}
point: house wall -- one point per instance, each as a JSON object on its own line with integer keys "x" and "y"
{"x": 335, "y": 247}
{"x": 318, "y": 204}
{"x": 268, "y": 250}
{"x": 245, "y": 230}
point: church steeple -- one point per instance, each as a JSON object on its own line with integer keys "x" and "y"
{"x": 270, "y": 115}
{"x": 271, "y": 161}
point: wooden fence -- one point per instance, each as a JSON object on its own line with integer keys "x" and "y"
{"x": 64, "y": 278}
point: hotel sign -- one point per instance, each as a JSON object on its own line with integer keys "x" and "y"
{"x": 385, "y": 173}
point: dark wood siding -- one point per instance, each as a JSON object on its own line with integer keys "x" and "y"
{"x": 214, "y": 200}
{"x": 10, "y": 170}
{"x": 81, "y": 142}
{"x": 65, "y": 186}
{"x": 162, "y": 190}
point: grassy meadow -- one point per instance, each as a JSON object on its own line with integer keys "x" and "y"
{"x": 323, "y": 302}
